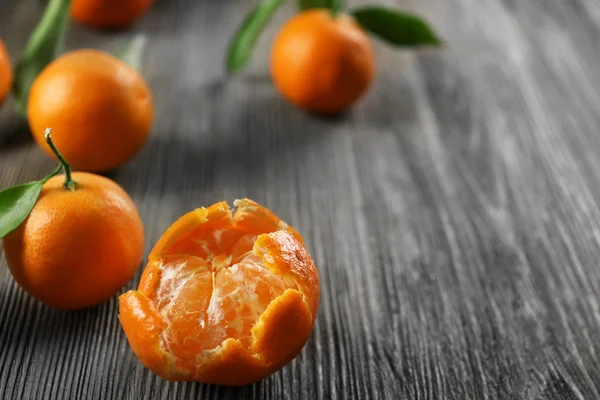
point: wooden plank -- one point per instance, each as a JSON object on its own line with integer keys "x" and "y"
{"x": 452, "y": 213}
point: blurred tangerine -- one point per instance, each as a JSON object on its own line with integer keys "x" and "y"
{"x": 109, "y": 13}
{"x": 100, "y": 108}
{"x": 321, "y": 63}
{"x": 6, "y": 74}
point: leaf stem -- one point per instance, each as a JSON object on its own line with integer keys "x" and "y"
{"x": 69, "y": 182}
{"x": 248, "y": 33}
{"x": 43, "y": 46}
{"x": 54, "y": 173}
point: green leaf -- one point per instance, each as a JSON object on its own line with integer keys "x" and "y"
{"x": 334, "y": 5}
{"x": 396, "y": 27}
{"x": 245, "y": 38}
{"x": 308, "y": 4}
{"x": 15, "y": 205}
{"x": 132, "y": 52}
{"x": 17, "y": 202}
{"x": 44, "y": 45}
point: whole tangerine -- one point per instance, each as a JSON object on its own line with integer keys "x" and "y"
{"x": 6, "y": 75}
{"x": 108, "y": 13}
{"x": 224, "y": 299}
{"x": 78, "y": 247}
{"x": 322, "y": 63}
{"x": 100, "y": 108}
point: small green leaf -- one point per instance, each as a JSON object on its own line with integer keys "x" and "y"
{"x": 17, "y": 202}
{"x": 396, "y": 27}
{"x": 44, "y": 45}
{"x": 243, "y": 42}
{"x": 15, "y": 205}
{"x": 132, "y": 52}
{"x": 336, "y": 6}
{"x": 308, "y": 4}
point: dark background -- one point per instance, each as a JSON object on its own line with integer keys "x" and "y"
{"x": 453, "y": 214}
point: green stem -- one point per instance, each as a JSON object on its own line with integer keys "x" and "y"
{"x": 53, "y": 174}
{"x": 69, "y": 182}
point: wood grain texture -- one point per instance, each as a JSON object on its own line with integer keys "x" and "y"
{"x": 453, "y": 214}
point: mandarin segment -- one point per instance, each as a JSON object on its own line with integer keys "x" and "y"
{"x": 225, "y": 287}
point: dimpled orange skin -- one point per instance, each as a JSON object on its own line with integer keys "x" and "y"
{"x": 5, "y": 73}
{"x": 190, "y": 320}
{"x": 108, "y": 13}
{"x": 77, "y": 248}
{"x": 320, "y": 63}
{"x": 101, "y": 109}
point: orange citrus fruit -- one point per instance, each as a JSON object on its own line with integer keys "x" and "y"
{"x": 5, "y": 72}
{"x": 100, "y": 108}
{"x": 78, "y": 247}
{"x": 322, "y": 63}
{"x": 225, "y": 298}
{"x": 108, "y": 13}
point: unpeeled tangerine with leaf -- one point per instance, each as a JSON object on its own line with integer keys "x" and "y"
{"x": 226, "y": 298}
{"x": 321, "y": 59}
{"x": 73, "y": 240}
{"x": 392, "y": 26}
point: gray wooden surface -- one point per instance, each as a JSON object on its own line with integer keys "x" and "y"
{"x": 453, "y": 214}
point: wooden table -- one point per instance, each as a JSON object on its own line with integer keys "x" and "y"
{"x": 454, "y": 214}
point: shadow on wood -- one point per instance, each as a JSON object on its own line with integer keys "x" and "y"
{"x": 244, "y": 130}
{"x": 14, "y": 130}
